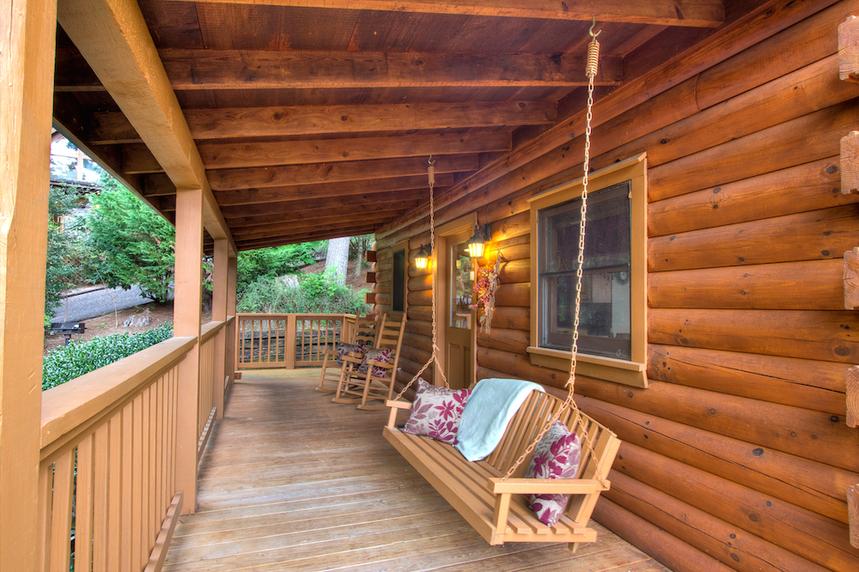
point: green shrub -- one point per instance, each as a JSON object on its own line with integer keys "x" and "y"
{"x": 274, "y": 261}
{"x": 68, "y": 362}
{"x": 315, "y": 293}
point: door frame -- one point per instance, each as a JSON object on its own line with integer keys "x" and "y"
{"x": 440, "y": 273}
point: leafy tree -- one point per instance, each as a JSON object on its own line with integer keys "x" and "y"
{"x": 66, "y": 248}
{"x": 132, "y": 245}
{"x": 273, "y": 262}
{"x": 320, "y": 293}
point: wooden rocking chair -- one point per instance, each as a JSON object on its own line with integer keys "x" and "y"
{"x": 363, "y": 380}
{"x": 361, "y": 331}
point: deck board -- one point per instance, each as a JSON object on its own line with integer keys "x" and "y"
{"x": 291, "y": 481}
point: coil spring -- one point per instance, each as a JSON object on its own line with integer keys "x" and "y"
{"x": 593, "y": 58}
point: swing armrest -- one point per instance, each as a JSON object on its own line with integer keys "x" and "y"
{"x": 396, "y": 406}
{"x": 524, "y": 486}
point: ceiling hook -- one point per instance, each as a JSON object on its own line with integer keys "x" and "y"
{"x": 593, "y": 25}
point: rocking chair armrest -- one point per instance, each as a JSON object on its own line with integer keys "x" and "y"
{"x": 527, "y": 486}
{"x": 352, "y": 358}
{"x": 383, "y": 365}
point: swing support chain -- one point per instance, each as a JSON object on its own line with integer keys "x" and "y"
{"x": 591, "y": 68}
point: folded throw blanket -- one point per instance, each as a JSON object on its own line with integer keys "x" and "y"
{"x": 492, "y": 405}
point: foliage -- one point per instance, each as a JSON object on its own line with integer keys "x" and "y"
{"x": 276, "y": 261}
{"x": 66, "y": 248}
{"x": 313, "y": 293}
{"x": 132, "y": 245}
{"x": 68, "y": 362}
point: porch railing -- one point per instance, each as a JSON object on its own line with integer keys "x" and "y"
{"x": 287, "y": 340}
{"x": 108, "y": 481}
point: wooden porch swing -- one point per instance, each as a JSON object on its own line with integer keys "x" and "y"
{"x": 490, "y": 494}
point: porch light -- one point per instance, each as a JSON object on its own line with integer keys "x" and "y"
{"x": 422, "y": 258}
{"x": 477, "y": 243}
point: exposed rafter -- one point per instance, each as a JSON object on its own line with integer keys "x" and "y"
{"x": 123, "y": 56}
{"x": 262, "y": 177}
{"x": 268, "y": 153}
{"x": 235, "y": 122}
{"x": 693, "y": 13}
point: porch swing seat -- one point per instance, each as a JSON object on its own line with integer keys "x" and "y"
{"x": 496, "y": 507}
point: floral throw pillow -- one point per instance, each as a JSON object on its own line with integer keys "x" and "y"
{"x": 437, "y": 412}
{"x": 384, "y": 355}
{"x": 344, "y": 349}
{"x": 556, "y": 456}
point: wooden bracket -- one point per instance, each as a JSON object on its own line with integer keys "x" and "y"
{"x": 371, "y": 297}
{"x": 848, "y": 49}
{"x": 371, "y": 256}
{"x": 852, "y": 396}
{"x": 371, "y": 277}
{"x": 850, "y": 163}
{"x": 850, "y": 277}
{"x": 853, "y": 514}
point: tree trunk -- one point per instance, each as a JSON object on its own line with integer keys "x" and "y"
{"x": 337, "y": 259}
{"x": 359, "y": 259}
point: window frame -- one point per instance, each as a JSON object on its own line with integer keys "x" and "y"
{"x": 629, "y": 372}
{"x": 404, "y": 246}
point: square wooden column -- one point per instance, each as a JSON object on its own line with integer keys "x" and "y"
{"x": 219, "y": 314}
{"x": 186, "y": 322}
{"x": 232, "y": 271}
{"x": 27, "y": 37}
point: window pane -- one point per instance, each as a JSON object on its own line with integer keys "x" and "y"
{"x": 462, "y": 284}
{"x": 399, "y": 297}
{"x": 605, "y": 312}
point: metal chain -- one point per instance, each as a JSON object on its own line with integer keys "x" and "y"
{"x": 569, "y": 403}
{"x": 434, "y": 356}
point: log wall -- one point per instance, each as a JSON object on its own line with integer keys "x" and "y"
{"x": 738, "y": 453}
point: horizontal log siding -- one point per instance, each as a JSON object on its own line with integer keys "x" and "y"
{"x": 738, "y": 452}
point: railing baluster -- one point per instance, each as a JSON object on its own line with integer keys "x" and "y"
{"x": 84, "y": 504}
{"x": 61, "y": 513}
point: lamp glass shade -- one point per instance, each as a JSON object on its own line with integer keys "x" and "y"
{"x": 476, "y": 244}
{"x": 422, "y": 259}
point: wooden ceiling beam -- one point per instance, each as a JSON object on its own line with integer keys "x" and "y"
{"x": 113, "y": 37}
{"x": 304, "y": 120}
{"x": 269, "y": 153}
{"x": 691, "y": 13}
{"x": 292, "y": 238}
{"x": 268, "y": 229}
{"x": 204, "y": 69}
{"x": 264, "y": 177}
{"x": 343, "y": 190}
{"x": 322, "y": 215}
{"x": 322, "y": 206}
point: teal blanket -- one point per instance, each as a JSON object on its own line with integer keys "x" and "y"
{"x": 492, "y": 405}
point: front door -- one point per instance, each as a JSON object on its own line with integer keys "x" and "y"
{"x": 459, "y": 315}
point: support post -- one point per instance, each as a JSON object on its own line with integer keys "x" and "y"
{"x": 186, "y": 322}
{"x": 27, "y": 37}
{"x": 219, "y": 313}
{"x": 289, "y": 341}
{"x": 232, "y": 269}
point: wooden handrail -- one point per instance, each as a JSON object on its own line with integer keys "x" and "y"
{"x": 279, "y": 315}
{"x": 71, "y": 408}
{"x": 210, "y": 329}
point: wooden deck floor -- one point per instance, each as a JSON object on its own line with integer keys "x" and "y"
{"x": 291, "y": 481}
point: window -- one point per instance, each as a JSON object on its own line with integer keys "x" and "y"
{"x": 612, "y": 328}
{"x": 398, "y": 299}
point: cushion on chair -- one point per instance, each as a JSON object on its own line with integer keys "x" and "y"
{"x": 344, "y": 349}
{"x": 383, "y": 355}
{"x": 437, "y": 412}
{"x": 556, "y": 456}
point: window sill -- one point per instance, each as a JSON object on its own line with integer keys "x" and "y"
{"x": 608, "y": 369}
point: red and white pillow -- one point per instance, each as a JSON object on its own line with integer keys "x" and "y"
{"x": 556, "y": 456}
{"x": 436, "y": 412}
